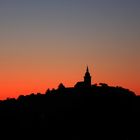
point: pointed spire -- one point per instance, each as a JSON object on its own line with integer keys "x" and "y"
{"x": 87, "y": 69}
{"x": 87, "y": 78}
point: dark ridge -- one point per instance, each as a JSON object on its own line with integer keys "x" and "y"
{"x": 84, "y": 111}
{"x": 96, "y": 112}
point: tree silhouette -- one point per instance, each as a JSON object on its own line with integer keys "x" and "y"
{"x": 94, "y": 112}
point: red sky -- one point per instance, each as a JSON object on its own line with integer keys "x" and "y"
{"x": 47, "y": 42}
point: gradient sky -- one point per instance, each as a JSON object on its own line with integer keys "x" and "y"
{"x": 43, "y": 43}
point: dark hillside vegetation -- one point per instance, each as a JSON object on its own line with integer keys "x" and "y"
{"x": 98, "y": 112}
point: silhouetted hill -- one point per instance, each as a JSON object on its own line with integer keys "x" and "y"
{"x": 96, "y": 112}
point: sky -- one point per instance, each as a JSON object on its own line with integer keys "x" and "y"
{"x": 44, "y": 43}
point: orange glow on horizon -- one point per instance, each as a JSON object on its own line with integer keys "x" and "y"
{"x": 33, "y": 83}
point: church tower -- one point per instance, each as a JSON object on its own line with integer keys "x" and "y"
{"x": 87, "y": 78}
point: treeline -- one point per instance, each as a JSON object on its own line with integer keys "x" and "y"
{"x": 73, "y": 113}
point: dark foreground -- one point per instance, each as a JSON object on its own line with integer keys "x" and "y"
{"x": 97, "y": 113}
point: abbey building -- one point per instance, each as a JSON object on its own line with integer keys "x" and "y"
{"x": 87, "y": 81}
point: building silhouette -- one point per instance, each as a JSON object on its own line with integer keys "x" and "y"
{"x": 87, "y": 81}
{"x": 67, "y": 111}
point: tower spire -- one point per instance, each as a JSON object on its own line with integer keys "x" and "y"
{"x": 87, "y": 78}
{"x": 87, "y": 69}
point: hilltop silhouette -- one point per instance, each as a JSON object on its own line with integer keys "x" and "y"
{"x": 83, "y": 111}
